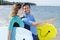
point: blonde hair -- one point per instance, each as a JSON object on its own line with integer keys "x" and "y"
{"x": 15, "y": 9}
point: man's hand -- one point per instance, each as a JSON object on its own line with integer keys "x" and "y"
{"x": 50, "y": 21}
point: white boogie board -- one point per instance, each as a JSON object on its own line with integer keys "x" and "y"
{"x": 21, "y": 34}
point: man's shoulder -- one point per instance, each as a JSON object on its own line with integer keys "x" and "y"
{"x": 31, "y": 15}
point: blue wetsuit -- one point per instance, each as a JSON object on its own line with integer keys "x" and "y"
{"x": 12, "y": 26}
{"x": 28, "y": 19}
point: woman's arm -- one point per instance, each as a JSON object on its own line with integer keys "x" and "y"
{"x": 9, "y": 34}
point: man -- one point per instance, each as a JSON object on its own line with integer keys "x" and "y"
{"x": 30, "y": 22}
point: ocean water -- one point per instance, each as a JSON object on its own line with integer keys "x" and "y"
{"x": 41, "y": 13}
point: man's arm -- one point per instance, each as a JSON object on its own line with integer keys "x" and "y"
{"x": 31, "y": 23}
{"x": 50, "y": 21}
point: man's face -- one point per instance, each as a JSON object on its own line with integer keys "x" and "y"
{"x": 26, "y": 9}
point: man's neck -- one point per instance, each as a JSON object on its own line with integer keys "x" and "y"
{"x": 27, "y": 13}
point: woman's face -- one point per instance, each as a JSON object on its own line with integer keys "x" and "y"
{"x": 20, "y": 11}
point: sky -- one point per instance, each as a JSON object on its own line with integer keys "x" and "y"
{"x": 41, "y": 2}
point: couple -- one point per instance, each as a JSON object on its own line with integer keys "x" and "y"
{"x": 27, "y": 21}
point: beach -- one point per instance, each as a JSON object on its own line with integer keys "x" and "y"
{"x": 41, "y": 13}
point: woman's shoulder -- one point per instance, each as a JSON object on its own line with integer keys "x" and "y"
{"x": 14, "y": 18}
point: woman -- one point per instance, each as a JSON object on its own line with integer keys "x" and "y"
{"x": 14, "y": 21}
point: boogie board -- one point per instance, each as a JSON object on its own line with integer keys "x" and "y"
{"x": 21, "y": 34}
{"x": 46, "y": 32}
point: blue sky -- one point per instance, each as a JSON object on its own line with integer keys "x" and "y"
{"x": 41, "y": 2}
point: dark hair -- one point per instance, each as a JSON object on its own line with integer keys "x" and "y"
{"x": 26, "y": 4}
{"x": 18, "y": 4}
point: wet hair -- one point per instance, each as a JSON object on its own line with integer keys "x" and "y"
{"x": 26, "y": 4}
{"x": 15, "y": 9}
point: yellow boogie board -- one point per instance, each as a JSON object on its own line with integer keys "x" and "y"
{"x": 46, "y": 32}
